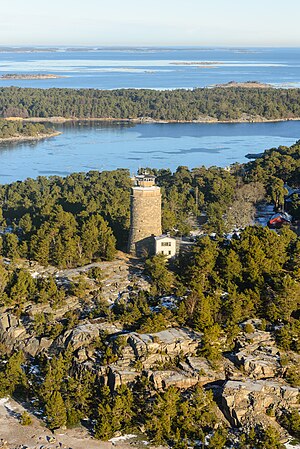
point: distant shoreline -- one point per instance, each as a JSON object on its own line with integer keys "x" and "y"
{"x": 244, "y": 85}
{"x": 30, "y": 76}
{"x": 28, "y": 138}
{"x": 144, "y": 120}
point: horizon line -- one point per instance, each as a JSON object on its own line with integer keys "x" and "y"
{"x": 146, "y": 46}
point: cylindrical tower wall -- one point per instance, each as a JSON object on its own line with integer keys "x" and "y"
{"x": 145, "y": 218}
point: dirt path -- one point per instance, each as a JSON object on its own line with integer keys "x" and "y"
{"x": 36, "y": 436}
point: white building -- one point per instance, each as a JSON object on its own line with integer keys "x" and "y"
{"x": 165, "y": 245}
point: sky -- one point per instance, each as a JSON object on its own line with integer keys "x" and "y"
{"x": 151, "y": 22}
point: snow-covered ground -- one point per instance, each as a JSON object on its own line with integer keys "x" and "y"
{"x": 170, "y": 302}
{"x": 291, "y": 446}
{"x": 129, "y": 436}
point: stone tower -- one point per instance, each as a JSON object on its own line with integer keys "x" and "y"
{"x": 145, "y": 214}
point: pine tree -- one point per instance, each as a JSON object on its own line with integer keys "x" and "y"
{"x": 162, "y": 416}
{"x": 55, "y": 371}
{"x": 161, "y": 278}
{"x": 13, "y": 379}
{"x": 56, "y": 411}
{"x": 104, "y": 429}
{"x": 202, "y": 317}
{"x": 218, "y": 440}
{"x": 10, "y": 247}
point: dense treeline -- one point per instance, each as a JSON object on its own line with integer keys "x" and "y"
{"x": 217, "y": 103}
{"x": 277, "y": 169}
{"x": 177, "y": 419}
{"x": 218, "y": 285}
{"x": 282, "y": 162}
{"x": 75, "y": 220}
{"x": 9, "y": 129}
{"x": 222, "y": 196}
{"x": 69, "y": 221}
{"x": 255, "y": 275}
{"x": 66, "y": 221}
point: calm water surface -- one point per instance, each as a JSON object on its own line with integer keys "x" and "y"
{"x": 103, "y": 146}
{"x": 156, "y": 68}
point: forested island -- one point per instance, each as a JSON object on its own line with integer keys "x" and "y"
{"x": 206, "y": 349}
{"x": 219, "y": 104}
{"x": 17, "y": 130}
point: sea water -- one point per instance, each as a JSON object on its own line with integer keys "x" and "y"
{"x": 105, "y": 146}
{"x": 155, "y": 68}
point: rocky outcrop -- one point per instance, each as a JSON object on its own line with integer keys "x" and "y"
{"x": 150, "y": 351}
{"x": 84, "y": 334}
{"x": 178, "y": 378}
{"x": 35, "y": 346}
{"x": 117, "y": 376}
{"x": 257, "y": 354}
{"x": 163, "y": 346}
{"x": 247, "y": 401}
{"x": 259, "y": 363}
{"x": 69, "y": 304}
{"x": 200, "y": 368}
{"x": 15, "y": 336}
{"x": 161, "y": 379}
{"x": 11, "y": 328}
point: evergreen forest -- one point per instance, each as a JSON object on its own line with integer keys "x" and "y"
{"x": 203, "y": 104}
{"x": 235, "y": 284}
{"x": 11, "y": 129}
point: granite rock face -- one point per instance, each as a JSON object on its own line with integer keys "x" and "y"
{"x": 167, "y": 378}
{"x": 255, "y": 388}
{"x": 12, "y": 331}
{"x": 258, "y": 356}
{"x": 200, "y": 368}
{"x": 84, "y": 334}
{"x": 11, "y": 328}
{"x": 163, "y": 346}
{"x": 248, "y": 382}
{"x": 117, "y": 376}
{"x": 248, "y": 401}
{"x": 15, "y": 336}
{"x": 153, "y": 351}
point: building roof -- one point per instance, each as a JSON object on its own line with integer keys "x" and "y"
{"x": 281, "y": 216}
{"x": 163, "y": 236}
{"x": 145, "y": 175}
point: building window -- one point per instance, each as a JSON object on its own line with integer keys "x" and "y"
{"x": 166, "y": 244}
{"x": 169, "y": 253}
